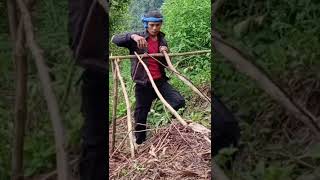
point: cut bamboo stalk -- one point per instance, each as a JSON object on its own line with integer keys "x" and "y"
{"x": 182, "y": 78}
{"x": 123, "y": 87}
{"x": 183, "y": 122}
{"x": 114, "y": 106}
{"x": 161, "y": 55}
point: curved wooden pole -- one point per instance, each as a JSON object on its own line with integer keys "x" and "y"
{"x": 125, "y": 94}
{"x": 182, "y": 78}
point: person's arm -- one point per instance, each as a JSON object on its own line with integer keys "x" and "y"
{"x": 127, "y": 40}
{"x": 164, "y": 46}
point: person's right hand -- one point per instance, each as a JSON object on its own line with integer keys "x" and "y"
{"x": 141, "y": 41}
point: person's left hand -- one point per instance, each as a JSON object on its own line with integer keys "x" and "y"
{"x": 163, "y": 48}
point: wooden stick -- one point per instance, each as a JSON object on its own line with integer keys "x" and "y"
{"x": 244, "y": 65}
{"x": 183, "y": 122}
{"x": 161, "y": 55}
{"x": 182, "y": 78}
{"x": 123, "y": 87}
{"x": 114, "y": 106}
{"x": 59, "y": 132}
{"x": 20, "y": 104}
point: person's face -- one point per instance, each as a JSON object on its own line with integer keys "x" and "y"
{"x": 154, "y": 28}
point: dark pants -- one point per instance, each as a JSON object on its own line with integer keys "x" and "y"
{"x": 144, "y": 97}
{"x": 93, "y": 161}
{"x": 226, "y": 130}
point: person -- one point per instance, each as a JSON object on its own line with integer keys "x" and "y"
{"x": 151, "y": 40}
{"x": 88, "y": 37}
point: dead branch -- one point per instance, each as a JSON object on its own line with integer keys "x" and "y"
{"x": 123, "y": 87}
{"x": 183, "y": 122}
{"x": 20, "y": 107}
{"x": 182, "y": 78}
{"x": 114, "y": 107}
{"x": 244, "y": 65}
{"x": 52, "y": 104}
{"x": 161, "y": 55}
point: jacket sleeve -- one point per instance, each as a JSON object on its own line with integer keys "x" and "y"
{"x": 164, "y": 43}
{"x": 123, "y": 40}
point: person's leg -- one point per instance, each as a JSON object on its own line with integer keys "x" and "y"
{"x": 226, "y": 131}
{"x": 94, "y": 137}
{"x": 172, "y": 96}
{"x": 144, "y": 97}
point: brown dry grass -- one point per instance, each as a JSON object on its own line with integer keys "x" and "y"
{"x": 172, "y": 152}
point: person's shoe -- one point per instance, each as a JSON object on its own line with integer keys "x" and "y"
{"x": 140, "y": 140}
{"x": 140, "y": 137}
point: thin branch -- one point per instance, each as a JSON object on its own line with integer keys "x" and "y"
{"x": 114, "y": 106}
{"x": 20, "y": 115}
{"x": 123, "y": 87}
{"x": 161, "y": 55}
{"x": 59, "y": 132}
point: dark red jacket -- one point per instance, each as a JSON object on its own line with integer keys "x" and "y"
{"x": 138, "y": 73}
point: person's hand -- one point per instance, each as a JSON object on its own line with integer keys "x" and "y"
{"x": 163, "y": 48}
{"x": 141, "y": 41}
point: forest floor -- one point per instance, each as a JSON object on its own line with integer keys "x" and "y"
{"x": 170, "y": 152}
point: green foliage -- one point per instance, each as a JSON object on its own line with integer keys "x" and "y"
{"x": 187, "y": 24}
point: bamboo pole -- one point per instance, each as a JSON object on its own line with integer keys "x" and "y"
{"x": 123, "y": 87}
{"x": 114, "y": 106}
{"x": 59, "y": 131}
{"x": 182, "y": 78}
{"x": 161, "y": 55}
{"x": 183, "y": 122}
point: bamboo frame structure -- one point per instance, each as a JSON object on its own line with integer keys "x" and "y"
{"x": 129, "y": 122}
